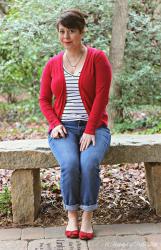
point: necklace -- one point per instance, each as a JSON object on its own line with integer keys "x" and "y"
{"x": 74, "y": 66}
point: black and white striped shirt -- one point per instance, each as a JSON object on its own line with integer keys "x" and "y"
{"x": 74, "y": 108}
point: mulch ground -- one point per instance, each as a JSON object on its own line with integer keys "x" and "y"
{"x": 122, "y": 198}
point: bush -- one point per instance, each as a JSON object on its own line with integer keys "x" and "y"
{"x": 5, "y": 201}
{"x": 28, "y": 38}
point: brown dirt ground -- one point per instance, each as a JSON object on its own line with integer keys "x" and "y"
{"x": 122, "y": 198}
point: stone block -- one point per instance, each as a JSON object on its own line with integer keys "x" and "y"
{"x": 13, "y": 245}
{"x": 26, "y": 195}
{"x": 54, "y": 232}
{"x": 130, "y": 242}
{"x": 31, "y": 233}
{"x": 58, "y": 244}
{"x": 29, "y": 154}
{"x": 10, "y": 234}
{"x": 148, "y": 228}
{"x": 153, "y": 180}
{"x": 115, "y": 229}
{"x": 153, "y": 241}
{"x": 127, "y": 229}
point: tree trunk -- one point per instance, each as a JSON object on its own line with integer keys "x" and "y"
{"x": 3, "y": 8}
{"x": 119, "y": 26}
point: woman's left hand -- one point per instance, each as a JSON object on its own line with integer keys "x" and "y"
{"x": 85, "y": 141}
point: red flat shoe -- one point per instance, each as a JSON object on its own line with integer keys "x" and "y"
{"x": 85, "y": 236}
{"x": 72, "y": 234}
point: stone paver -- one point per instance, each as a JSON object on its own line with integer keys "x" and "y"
{"x": 31, "y": 233}
{"x": 58, "y": 244}
{"x": 146, "y": 236}
{"x": 148, "y": 228}
{"x": 10, "y": 234}
{"x": 131, "y": 242}
{"x": 153, "y": 241}
{"x": 54, "y": 232}
{"x": 128, "y": 229}
{"x": 115, "y": 229}
{"x": 13, "y": 245}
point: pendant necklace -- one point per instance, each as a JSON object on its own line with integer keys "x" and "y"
{"x": 74, "y": 66}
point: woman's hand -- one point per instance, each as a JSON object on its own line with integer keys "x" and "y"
{"x": 85, "y": 141}
{"x": 58, "y": 132}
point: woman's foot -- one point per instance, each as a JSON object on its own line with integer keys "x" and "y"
{"x": 86, "y": 231}
{"x": 72, "y": 230}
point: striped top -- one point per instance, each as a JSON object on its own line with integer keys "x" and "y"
{"x": 74, "y": 109}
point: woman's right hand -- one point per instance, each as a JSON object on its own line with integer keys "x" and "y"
{"x": 58, "y": 132}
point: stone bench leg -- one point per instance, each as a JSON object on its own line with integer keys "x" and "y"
{"x": 26, "y": 195}
{"x": 153, "y": 180}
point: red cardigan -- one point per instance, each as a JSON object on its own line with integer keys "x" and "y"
{"x": 94, "y": 86}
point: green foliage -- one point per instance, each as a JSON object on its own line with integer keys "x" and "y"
{"x": 141, "y": 77}
{"x": 151, "y": 126}
{"x": 141, "y": 120}
{"x": 55, "y": 187}
{"x": 28, "y": 38}
{"x": 24, "y": 111}
{"x": 5, "y": 201}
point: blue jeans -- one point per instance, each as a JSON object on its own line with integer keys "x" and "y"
{"x": 80, "y": 180}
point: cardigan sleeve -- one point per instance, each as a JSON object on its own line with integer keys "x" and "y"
{"x": 103, "y": 76}
{"x": 45, "y": 96}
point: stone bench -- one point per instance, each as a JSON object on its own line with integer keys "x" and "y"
{"x": 26, "y": 157}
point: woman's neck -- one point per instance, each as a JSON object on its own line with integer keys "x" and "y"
{"x": 75, "y": 52}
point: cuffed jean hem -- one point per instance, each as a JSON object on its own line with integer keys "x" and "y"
{"x": 71, "y": 207}
{"x": 89, "y": 208}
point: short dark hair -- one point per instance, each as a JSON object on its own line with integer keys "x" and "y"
{"x": 72, "y": 19}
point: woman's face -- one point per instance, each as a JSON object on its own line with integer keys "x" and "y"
{"x": 69, "y": 38}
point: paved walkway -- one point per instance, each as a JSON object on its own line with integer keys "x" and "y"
{"x": 108, "y": 237}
